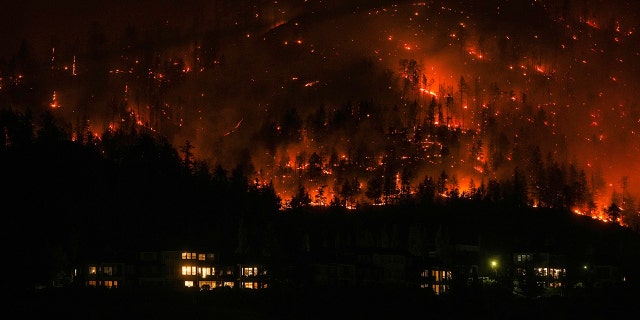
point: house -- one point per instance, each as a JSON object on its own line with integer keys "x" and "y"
{"x": 607, "y": 275}
{"x": 539, "y": 273}
{"x": 436, "y": 278}
{"x": 106, "y": 275}
{"x": 382, "y": 268}
{"x": 333, "y": 274}
{"x": 174, "y": 269}
{"x": 252, "y": 276}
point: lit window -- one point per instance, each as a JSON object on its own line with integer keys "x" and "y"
{"x": 188, "y": 284}
{"x": 249, "y": 271}
{"x": 228, "y": 284}
{"x": 188, "y": 270}
{"x": 93, "y": 270}
{"x": 205, "y": 272}
{"x": 91, "y": 283}
{"x": 437, "y": 275}
{"x": 188, "y": 255}
{"x": 107, "y": 271}
{"x": 201, "y": 256}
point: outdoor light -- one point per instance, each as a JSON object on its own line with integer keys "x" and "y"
{"x": 494, "y": 266}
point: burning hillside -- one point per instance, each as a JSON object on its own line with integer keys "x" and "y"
{"x": 361, "y": 103}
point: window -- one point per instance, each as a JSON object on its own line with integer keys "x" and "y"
{"x": 207, "y": 271}
{"x": 91, "y": 283}
{"x": 228, "y": 284}
{"x": 188, "y": 284}
{"x": 523, "y": 257}
{"x": 249, "y": 271}
{"x": 188, "y": 255}
{"x": 107, "y": 271}
{"x": 201, "y": 256}
{"x": 437, "y": 289}
{"x": 189, "y": 270}
{"x": 93, "y": 270}
{"x": 556, "y": 273}
{"x": 440, "y": 275}
{"x": 541, "y": 272}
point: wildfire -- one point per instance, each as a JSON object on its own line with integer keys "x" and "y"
{"x": 54, "y": 101}
{"x": 423, "y": 90}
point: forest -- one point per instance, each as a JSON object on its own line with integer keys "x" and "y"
{"x": 67, "y": 201}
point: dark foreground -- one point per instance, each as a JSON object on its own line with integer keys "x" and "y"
{"x": 316, "y": 304}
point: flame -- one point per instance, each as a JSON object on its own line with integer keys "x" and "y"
{"x": 54, "y": 101}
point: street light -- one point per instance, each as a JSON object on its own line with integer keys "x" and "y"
{"x": 494, "y": 266}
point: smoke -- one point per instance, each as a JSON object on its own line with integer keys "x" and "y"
{"x": 221, "y": 73}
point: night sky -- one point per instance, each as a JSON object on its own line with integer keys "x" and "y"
{"x": 219, "y": 72}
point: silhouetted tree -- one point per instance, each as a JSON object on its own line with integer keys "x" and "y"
{"x": 320, "y": 197}
{"x": 188, "y": 155}
{"x": 613, "y": 212}
{"x": 315, "y": 167}
{"x": 441, "y": 184}
{"x": 301, "y": 198}
{"x": 291, "y": 126}
{"x": 519, "y": 189}
{"x": 50, "y": 130}
{"x": 18, "y": 127}
{"x": 374, "y": 189}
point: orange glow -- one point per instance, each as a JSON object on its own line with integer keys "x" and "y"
{"x": 54, "y": 101}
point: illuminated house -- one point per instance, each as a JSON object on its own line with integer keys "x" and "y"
{"x": 437, "y": 279}
{"x": 193, "y": 269}
{"x": 252, "y": 276}
{"x": 105, "y": 275}
{"x": 539, "y": 273}
{"x": 174, "y": 269}
{"x": 454, "y": 257}
{"x": 153, "y": 269}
